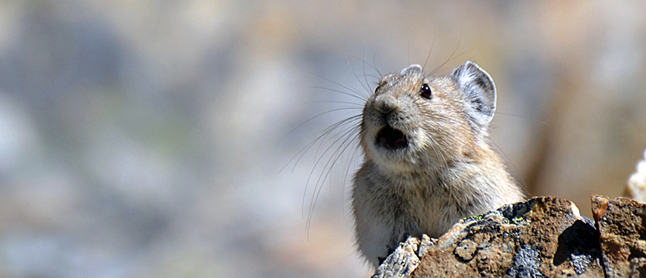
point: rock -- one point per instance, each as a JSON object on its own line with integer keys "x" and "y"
{"x": 405, "y": 259}
{"x": 541, "y": 237}
{"x": 402, "y": 261}
{"x": 621, "y": 223}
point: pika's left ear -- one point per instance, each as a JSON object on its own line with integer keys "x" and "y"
{"x": 479, "y": 90}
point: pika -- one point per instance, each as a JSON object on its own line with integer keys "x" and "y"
{"x": 427, "y": 159}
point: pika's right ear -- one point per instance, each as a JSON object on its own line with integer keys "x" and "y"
{"x": 479, "y": 89}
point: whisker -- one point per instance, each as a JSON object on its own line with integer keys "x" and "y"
{"x": 347, "y": 169}
{"x": 365, "y": 63}
{"x": 511, "y": 163}
{"x": 522, "y": 117}
{"x": 320, "y": 140}
{"x": 327, "y": 168}
{"x": 358, "y": 106}
{"x": 310, "y": 119}
{"x": 432, "y": 46}
{"x": 340, "y": 127}
{"x": 451, "y": 56}
{"x": 365, "y": 86}
{"x": 374, "y": 64}
{"x": 355, "y": 95}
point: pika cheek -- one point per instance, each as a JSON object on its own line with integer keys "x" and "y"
{"x": 419, "y": 139}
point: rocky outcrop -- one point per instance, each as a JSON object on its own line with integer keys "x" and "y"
{"x": 541, "y": 237}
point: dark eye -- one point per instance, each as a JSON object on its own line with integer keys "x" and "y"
{"x": 377, "y": 89}
{"x": 425, "y": 91}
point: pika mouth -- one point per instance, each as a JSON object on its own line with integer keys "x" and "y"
{"x": 391, "y": 139}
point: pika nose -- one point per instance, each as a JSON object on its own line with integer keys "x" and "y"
{"x": 386, "y": 104}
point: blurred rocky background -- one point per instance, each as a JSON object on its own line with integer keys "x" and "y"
{"x": 162, "y": 138}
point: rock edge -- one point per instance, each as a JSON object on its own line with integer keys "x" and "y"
{"x": 540, "y": 237}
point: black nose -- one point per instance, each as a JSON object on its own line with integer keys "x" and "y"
{"x": 386, "y": 104}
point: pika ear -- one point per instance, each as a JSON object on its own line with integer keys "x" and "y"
{"x": 479, "y": 89}
{"x": 412, "y": 69}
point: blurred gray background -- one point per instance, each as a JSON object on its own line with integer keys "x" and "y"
{"x": 150, "y": 138}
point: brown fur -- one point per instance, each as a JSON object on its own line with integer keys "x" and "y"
{"x": 443, "y": 171}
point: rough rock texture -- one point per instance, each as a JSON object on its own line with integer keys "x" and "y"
{"x": 402, "y": 261}
{"x": 621, "y": 223}
{"x": 541, "y": 237}
{"x": 405, "y": 258}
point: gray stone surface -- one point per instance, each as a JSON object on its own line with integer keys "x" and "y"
{"x": 401, "y": 262}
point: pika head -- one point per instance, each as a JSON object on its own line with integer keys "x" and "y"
{"x": 414, "y": 121}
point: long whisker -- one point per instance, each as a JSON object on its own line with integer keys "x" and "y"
{"x": 511, "y": 163}
{"x": 314, "y": 141}
{"x": 522, "y": 117}
{"x": 347, "y": 169}
{"x": 321, "y": 139}
{"x": 450, "y": 57}
{"x": 432, "y": 46}
{"x": 356, "y": 94}
{"x": 327, "y": 168}
{"x": 354, "y": 91}
{"x": 374, "y": 64}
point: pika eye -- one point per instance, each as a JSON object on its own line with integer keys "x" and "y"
{"x": 377, "y": 89}
{"x": 425, "y": 91}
